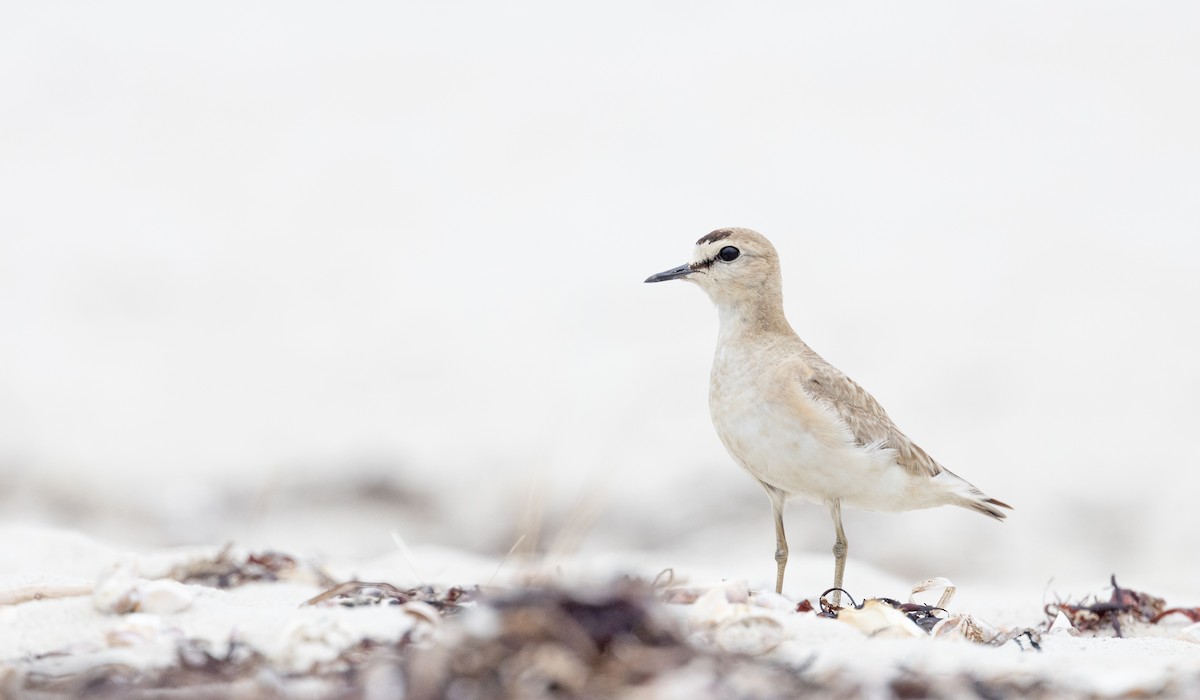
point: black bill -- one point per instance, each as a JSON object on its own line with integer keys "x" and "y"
{"x": 673, "y": 273}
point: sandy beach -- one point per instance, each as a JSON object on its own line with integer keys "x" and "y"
{"x": 224, "y": 622}
{"x": 327, "y": 368}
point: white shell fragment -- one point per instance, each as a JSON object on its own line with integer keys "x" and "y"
{"x": 134, "y": 630}
{"x": 751, "y": 634}
{"x": 727, "y": 618}
{"x": 120, "y": 591}
{"x": 878, "y": 619}
{"x": 116, "y": 590}
{"x": 1062, "y": 625}
{"x": 315, "y": 640}
{"x": 710, "y": 609}
{"x": 967, "y": 627}
{"x": 1191, "y": 633}
{"x": 933, "y": 584}
{"x": 164, "y": 596}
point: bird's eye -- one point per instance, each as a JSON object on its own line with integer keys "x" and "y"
{"x": 729, "y": 253}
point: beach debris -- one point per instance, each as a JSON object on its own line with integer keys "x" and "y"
{"x": 352, "y": 594}
{"x": 967, "y": 627}
{"x": 830, "y": 610}
{"x": 228, "y": 569}
{"x": 116, "y": 589}
{"x": 945, "y": 585}
{"x": 535, "y": 641}
{"x": 1124, "y": 604}
{"x": 1062, "y": 625}
{"x": 311, "y": 644}
{"x": 886, "y": 617}
{"x": 1191, "y": 633}
{"x": 120, "y": 591}
{"x": 751, "y": 635}
{"x": 664, "y": 579}
{"x": 1192, "y": 614}
{"x": 880, "y": 617}
{"x": 1033, "y": 636}
{"x": 44, "y": 590}
{"x": 164, "y": 596}
{"x": 135, "y": 629}
{"x": 728, "y": 618}
{"x": 198, "y": 663}
{"x": 923, "y": 616}
{"x": 607, "y": 641}
{"x": 889, "y": 618}
{"x": 734, "y": 591}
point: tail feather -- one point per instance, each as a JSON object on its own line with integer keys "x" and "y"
{"x": 961, "y": 492}
{"x": 988, "y": 506}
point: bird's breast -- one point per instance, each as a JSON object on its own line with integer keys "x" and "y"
{"x": 781, "y": 436}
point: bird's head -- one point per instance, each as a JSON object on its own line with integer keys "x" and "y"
{"x": 733, "y": 266}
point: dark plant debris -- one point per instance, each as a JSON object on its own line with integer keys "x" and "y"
{"x": 592, "y": 643}
{"x": 1124, "y": 603}
{"x": 830, "y": 610}
{"x": 227, "y": 571}
{"x": 924, "y": 616}
{"x": 1034, "y": 637}
{"x": 1192, "y": 614}
{"x": 352, "y": 594}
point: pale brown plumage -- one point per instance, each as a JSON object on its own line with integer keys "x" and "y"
{"x": 870, "y": 424}
{"x": 793, "y": 421}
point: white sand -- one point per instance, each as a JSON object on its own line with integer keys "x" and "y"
{"x": 69, "y": 634}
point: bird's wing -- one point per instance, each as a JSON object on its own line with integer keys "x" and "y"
{"x": 862, "y": 414}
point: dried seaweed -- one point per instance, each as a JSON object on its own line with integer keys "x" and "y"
{"x": 934, "y": 620}
{"x": 830, "y": 610}
{"x": 604, "y": 642}
{"x": 924, "y": 616}
{"x": 227, "y": 571}
{"x": 1124, "y": 603}
{"x": 1192, "y": 614}
{"x": 352, "y": 594}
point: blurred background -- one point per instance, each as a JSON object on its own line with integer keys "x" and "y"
{"x": 306, "y": 274}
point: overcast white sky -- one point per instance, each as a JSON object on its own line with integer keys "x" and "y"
{"x": 242, "y": 240}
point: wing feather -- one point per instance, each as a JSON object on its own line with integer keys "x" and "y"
{"x": 862, "y": 414}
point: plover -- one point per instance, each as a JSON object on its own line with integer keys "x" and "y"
{"x": 792, "y": 420}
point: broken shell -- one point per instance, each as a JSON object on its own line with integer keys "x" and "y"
{"x": 772, "y": 601}
{"x": 933, "y": 584}
{"x": 116, "y": 590}
{"x": 1062, "y": 625}
{"x": 878, "y": 619}
{"x": 422, "y": 611}
{"x": 967, "y": 627}
{"x": 752, "y": 634}
{"x": 134, "y": 630}
{"x": 710, "y": 609}
{"x": 164, "y": 596}
{"x": 1191, "y": 633}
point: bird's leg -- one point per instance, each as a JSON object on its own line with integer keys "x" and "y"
{"x": 781, "y": 548}
{"x": 839, "y": 551}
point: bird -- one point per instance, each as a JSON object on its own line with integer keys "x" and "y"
{"x": 793, "y": 421}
